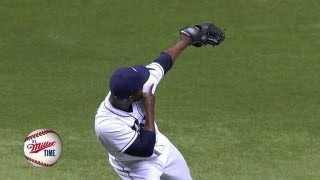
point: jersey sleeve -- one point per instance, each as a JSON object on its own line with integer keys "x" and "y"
{"x": 165, "y": 61}
{"x": 158, "y": 68}
{"x": 117, "y": 135}
{"x": 143, "y": 146}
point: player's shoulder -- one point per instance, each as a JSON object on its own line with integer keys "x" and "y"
{"x": 111, "y": 123}
{"x": 155, "y": 68}
{"x": 110, "y": 118}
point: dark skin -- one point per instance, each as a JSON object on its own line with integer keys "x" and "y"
{"x": 148, "y": 98}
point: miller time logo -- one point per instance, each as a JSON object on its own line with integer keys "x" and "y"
{"x": 43, "y": 147}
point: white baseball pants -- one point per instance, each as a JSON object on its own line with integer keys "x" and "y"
{"x": 170, "y": 165}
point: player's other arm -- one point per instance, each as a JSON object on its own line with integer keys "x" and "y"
{"x": 144, "y": 144}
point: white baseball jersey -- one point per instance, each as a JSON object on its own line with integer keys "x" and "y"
{"x": 121, "y": 128}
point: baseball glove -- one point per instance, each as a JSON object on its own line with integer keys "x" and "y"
{"x": 203, "y": 34}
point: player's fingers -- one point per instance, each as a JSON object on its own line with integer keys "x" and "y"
{"x": 145, "y": 96}
{"x": 151, "y": 88}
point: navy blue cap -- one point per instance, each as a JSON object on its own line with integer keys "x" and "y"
{"x": 126, "y": 81}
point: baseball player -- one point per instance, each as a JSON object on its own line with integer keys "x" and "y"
{"x": 125, "y": 121}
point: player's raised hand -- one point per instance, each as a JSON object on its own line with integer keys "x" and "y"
{"x": 148, "y": 99}
{"x": 203, "y": 34}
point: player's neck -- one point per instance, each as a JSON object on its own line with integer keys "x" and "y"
{"x": 123, "y": 105}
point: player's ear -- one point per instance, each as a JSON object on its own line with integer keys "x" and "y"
{"x": 131, "y": 98}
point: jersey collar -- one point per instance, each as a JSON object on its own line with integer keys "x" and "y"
{"x": 114, "y": 110}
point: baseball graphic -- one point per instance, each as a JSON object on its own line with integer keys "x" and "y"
{"x": 43, "y": 147}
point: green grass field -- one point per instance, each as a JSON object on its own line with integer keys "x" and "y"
{"x": 248, "y": 109}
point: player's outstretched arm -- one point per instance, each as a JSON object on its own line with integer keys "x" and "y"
{"x": 197, "y": 35}
{"x": 176, "y": 49}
